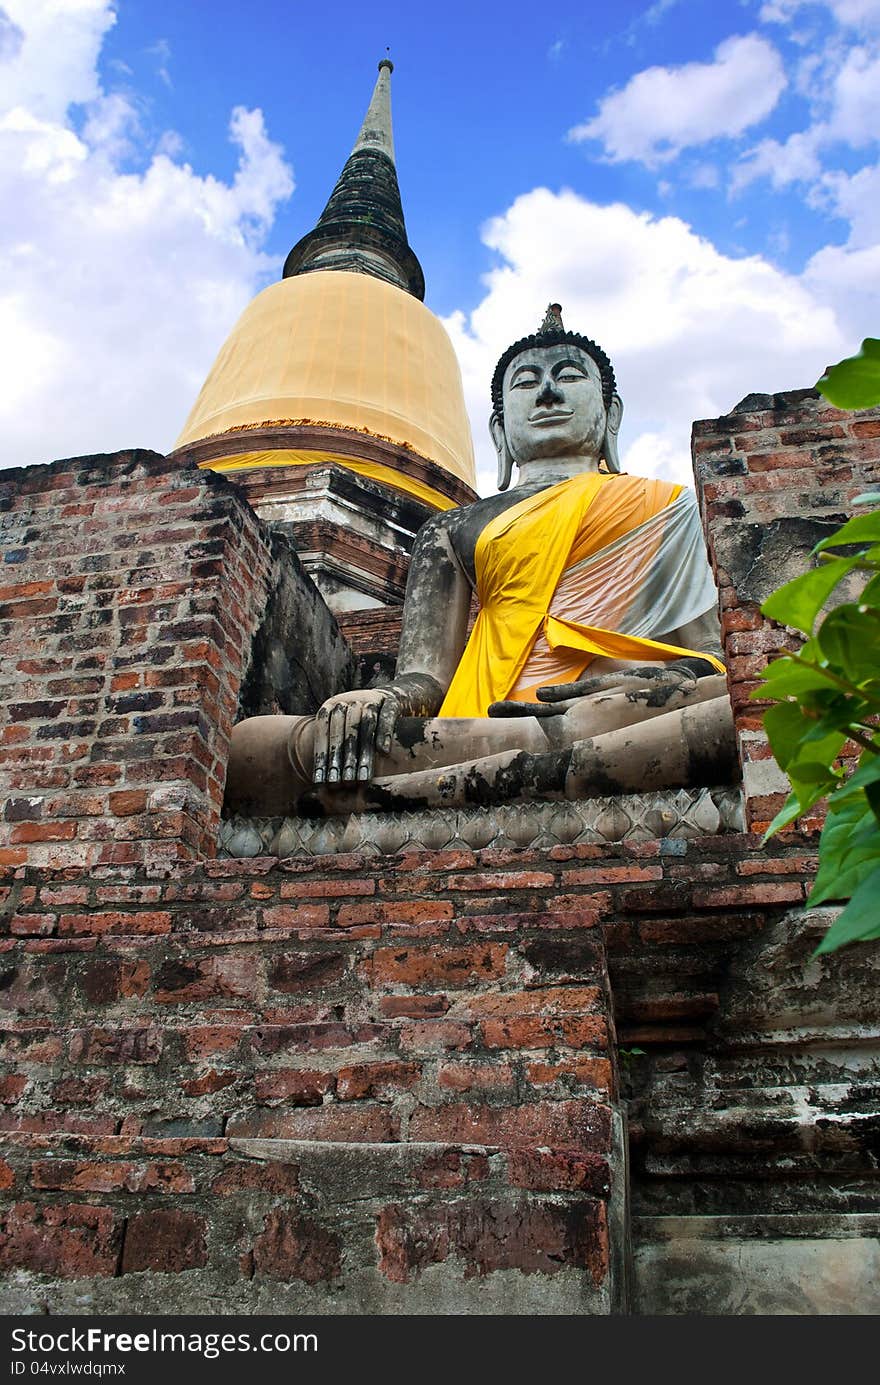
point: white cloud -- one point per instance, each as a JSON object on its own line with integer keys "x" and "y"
{"x": 845, "y": 90}
{"x": 663, "y": 110}
{"x": 52, "y": 64}
{"x": 123, "y": 285}
{"x": 690, "y": 331}
{"x": 855, "y": 14}
{"x": 793, "y": 160}
{"x": 855, "y": 117}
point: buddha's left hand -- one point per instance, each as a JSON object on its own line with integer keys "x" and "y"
{"x": 651, "y": 683}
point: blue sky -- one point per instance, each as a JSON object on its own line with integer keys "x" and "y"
{"x": 697, "y": 181}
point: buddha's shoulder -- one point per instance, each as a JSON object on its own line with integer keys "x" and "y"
{"x": 465, "y": 518}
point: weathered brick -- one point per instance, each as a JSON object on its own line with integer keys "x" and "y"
{"x": 383, "y": 1081}
{"x": 291, "y": 1247}
{"x": 169, "y": 1241}
{"x": 298, "y": 1087}
{"x": 551, "y": 1171}
{"x": 437, "y": 966}
{"x": 535, "y": 1238}
{"x": 69, "y": 1240}
{"x": 574, "y": 1124}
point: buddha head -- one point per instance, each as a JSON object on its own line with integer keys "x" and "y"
{"x": 553, "y": 395}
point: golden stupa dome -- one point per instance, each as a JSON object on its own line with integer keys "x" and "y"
{"x": 336, "y": 350}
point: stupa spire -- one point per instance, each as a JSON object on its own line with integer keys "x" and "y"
{"x": 376, "y": 131}
{"x": 362, "y": 229}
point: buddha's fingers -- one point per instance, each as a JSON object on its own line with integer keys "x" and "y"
{"x": 322, "y": 735}
{"x": 367, "y": 741}
{"x": 350, "y": 742}
{"x": 387, "y": 724}
{"x": 336, "y": 737}
{"x": 525, "y": 709}
{"x": 561, "y": 692}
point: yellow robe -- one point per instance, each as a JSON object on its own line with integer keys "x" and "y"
{"x": 519, "y": 559}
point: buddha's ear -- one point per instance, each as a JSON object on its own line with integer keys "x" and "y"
{"x": 505, "y": 461}
{"x": 613, "y": 417}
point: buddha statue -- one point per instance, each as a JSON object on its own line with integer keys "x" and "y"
{"x": 594, "y": 664}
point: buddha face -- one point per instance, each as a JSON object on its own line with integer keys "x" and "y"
{"x": 553, "y": 404}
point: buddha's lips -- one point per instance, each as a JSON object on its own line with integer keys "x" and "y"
{"x": 557, "y": 417}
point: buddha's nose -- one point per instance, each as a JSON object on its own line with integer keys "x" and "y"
{"x": 549, "y": 391}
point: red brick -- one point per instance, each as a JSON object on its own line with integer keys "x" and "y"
{"x": 32, "y": 925}
{"x": 67, "y": 1240}
{"x": 42, "y": 832}
{"x": 168, "y": 1241}
{"x": 269, "y": 1176}
{"x": 347, "y": 1124}
{"x": 413, "y": 1006}
{"x": 333, "y": 889}
{"x": 476, "y": 1077}
{"x": 394, "y": 912}
{"x": 300, "y": 1088}
{"x": 590, "y": 1072}
{"x": 429, "y": 1036}
{"x": 178, "y": 979}
{"x": 135, "y": 1045}
{"x": 533, "y": 1031}
{"x": 291, "y": 1247}
{"x": 93, "y": 1176}
{"x": 292, "y": 972}
{"x": 451, "y": 1169}
{"x": 284, "y": 916}
{"x": 764, "y": 893}
{"x": 210, "y": 1082}
{"x": 11, "y": 1088}
{"x": 546, "y": 1001}
{"x": 97, "y": 923}
{"x": 552, "y": 1171}
{"x": 203, "y": 1041}
{"x": 437, "y": 966}
{"x": 540, "y": 1238}
{"x": 106, "y": 980}
{"x": 127, "y": 802}
{"x": 383, "y": 1081}
{"x": 575, "y": 1124}
{"x": 512, "y": 880}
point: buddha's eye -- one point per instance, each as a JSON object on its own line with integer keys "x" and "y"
{"x": 567, "y": 375}
{"x": 525, "y": 382}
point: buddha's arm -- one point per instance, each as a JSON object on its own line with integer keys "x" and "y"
{"x": 350, "y": 727}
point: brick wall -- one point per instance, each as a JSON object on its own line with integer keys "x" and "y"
{"x": 306, "y": 1082}
{"x": 774, "y": 477}
{"x": 131, "y": 588}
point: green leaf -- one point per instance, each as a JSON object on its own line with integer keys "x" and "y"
{"x": 848, "y": 646}
{"x": 860, "y": 920}
{"x": 790, "y": 677}
{"x": 859, "y": 529}
{"x": 855, "y": 382}
{"x": 870, "y": 595}
{"x": 798, "y": 602}
{"x": 786, "y": 727}
{"x": 790, "y": 810}
{"x": 868, "y": 772}
{"x": 849, "y": 850}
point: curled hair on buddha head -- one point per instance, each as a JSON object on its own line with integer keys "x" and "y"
{"x": 552, "y": 333}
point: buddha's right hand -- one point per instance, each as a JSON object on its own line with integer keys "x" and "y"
{"x": 349, "y": 729}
